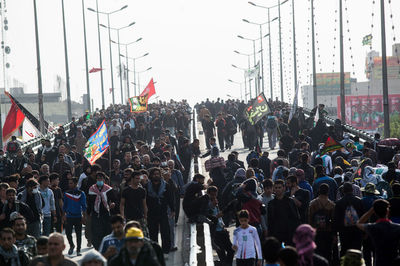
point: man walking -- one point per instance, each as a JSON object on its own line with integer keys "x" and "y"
{"x": 74, "y": 208}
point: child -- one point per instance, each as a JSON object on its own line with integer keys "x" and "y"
{"x": 41, "y": 245}
{"x": 246, "y": 242}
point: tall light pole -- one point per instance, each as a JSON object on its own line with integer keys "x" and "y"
{"x": 314, "y": 68}
{"x": 244, "y": 71}
{"x": 119, "y": 52}
{"x": 342, "y": 88}
{"x": 86, "y": 57}
{"x": 134, "y": 70}
{"x": 126, "y": 61}
{"x": 109, "y": 42}
{"x": 386, "y": 118}
{"x": 261, "y": 44}
{"x": 240, "y": 85}
{"x": 39, "y": 73}
{"x": 280, "y": 43}
{"x": 294, "y": 51}
{"x": 69, "y": 107}
{"x": 141, "y": 72}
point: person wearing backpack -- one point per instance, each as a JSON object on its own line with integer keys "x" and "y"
{"x": 271, "y": 127}
{"x": 347, "y": 212}
{"x": 320, "y": 217}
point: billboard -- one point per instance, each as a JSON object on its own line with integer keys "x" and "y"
{"x": 329, "y": 83}
{"x": 393, "y": 68}
{"x": 366, "y": 111}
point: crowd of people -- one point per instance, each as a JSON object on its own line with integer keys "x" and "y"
{"x": 324, "y": 199}
{"x": 123, "y": 201}
{"x": 308, "y": 206}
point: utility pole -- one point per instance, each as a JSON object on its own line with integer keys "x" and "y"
{"x": 39, "y": 73}
{"x": 69, "y": 107}
{"x": 256, "y": 89}
{"x": 262, "y": 60}
{"x": 314, "y": 75}
{"x": 386, "y": 118}
{"x": 280, "y": 47}
{"x": 127, "y": 71}
{"x": 120, "y": 69}
{"x": 342, "y": 91}
{"x": 294, "y": 50}
{"x": 101, "y": 62}
{"x": 86, "y": 58}
{"x": 270, "y": 55}
{"x": 111, "y": 63}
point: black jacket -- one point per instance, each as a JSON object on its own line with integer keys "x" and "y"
{"x": 340, "y": 209}
{"x": 146, "y": 257}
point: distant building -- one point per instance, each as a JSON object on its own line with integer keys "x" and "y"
{"x": 363, "y": 99}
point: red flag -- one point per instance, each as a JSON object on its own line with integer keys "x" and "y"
{"x": 14, "y": 119}
{"x": 149, "y": 90}
{"x": 95, "y": 69}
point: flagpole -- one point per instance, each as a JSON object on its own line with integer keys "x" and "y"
{"x": 86, "y": 58}
{"x": 69, "y": 107}
{"x": 120, "y": 69}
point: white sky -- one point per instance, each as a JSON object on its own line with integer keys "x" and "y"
{"x": 190, "y": 43}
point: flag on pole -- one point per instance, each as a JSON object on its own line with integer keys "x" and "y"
{"x": 139, "y": 103}
{"x": 331, "y": 145}
{"x": 14, "y": 119}
{"x": 95, "y": 69}
{"x": 29, "y": 131}
{"x": 97, "y": 144}
{"x": 316, "y": 117}
{"x": 257, "y": 109}
{"x": 35, "y": 122}
{"x": 367, "y": 40}
{"x": 149, "y": 90}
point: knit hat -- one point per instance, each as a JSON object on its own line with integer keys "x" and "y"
{"x": 240, "y": 173}
{"x": 93, "y": 255}
{"x": 304, "y": 240}
{"x": 134, "y": 233}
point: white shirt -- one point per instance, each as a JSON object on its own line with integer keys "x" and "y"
{"x": 248, "y": 243}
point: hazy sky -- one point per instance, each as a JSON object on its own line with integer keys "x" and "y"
{"x": 191, "y": 43}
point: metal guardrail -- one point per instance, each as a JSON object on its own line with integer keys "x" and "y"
{"x": 356, "y": 132}
{"x": 36, "y": 143}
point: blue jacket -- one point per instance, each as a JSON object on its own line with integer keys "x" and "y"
{"x": 74, "y": 203}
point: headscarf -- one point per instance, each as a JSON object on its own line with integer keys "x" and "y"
{"x": 305, "y": 245}
{"x": 101, "y": 196}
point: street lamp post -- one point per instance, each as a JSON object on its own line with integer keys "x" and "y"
{"x": 127, "y": 63}
{"x": 138, "y": 76}
{"x": 386, "y": 118}
{"x": 39, "y": 73}
{"x": 119, "y": 52}
{"x": 134, "y": 67}
{"x": 261, "y": 45}
{"x": 111, "y": 63}
{"x": 244, "y": 71}
{"x": 240, "y": 85}
{"x": 69, "y": 107}
{"x": 314, "y": 68}
{"x": 101, "y": 63}
{"x": 280, "y": 41}
{"x": 294, "y": 51}
{"x": 86, "y": 57}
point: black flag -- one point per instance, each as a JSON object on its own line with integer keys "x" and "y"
{"x": 257, "y": 109}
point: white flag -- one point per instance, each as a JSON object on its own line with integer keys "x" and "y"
{"x": 253, "y": 72}
{"x": 29, "y": 131}
{"x": 294, "y": 106}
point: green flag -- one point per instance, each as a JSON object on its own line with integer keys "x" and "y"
{"x": 367, "y": 40}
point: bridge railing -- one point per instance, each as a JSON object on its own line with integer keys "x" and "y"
{"x": 36, "y": 143}
{"x": 354, "y": 131}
